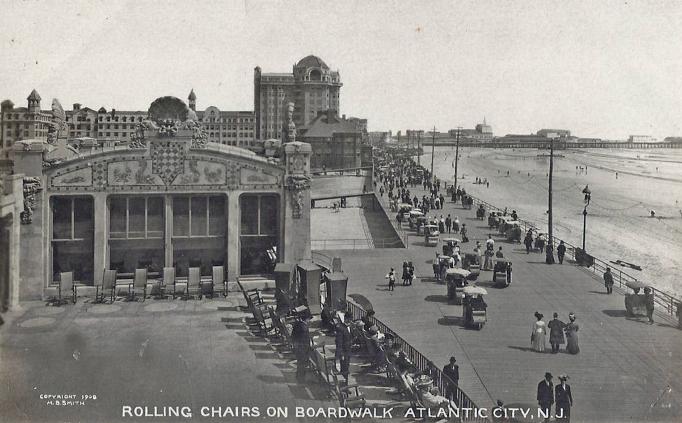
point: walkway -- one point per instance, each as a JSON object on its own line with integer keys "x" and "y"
{"x": 625, "y": 365}
{"x": 157, "y": 353}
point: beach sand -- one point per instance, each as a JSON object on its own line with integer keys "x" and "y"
{"x": 618, "y": 222}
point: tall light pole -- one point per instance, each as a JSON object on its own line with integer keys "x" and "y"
{"x": 459, "y": 128}
{"x": 433, "y": 147}
{"x": 549, "y": 258}
{"x": 419, "y": 148}
{"x": 588, "y": 197}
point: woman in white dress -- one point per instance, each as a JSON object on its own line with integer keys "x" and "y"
{"x": 539, "y": 333}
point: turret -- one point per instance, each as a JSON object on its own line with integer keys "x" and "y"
{"x": 33, "y": 102}
{"x": 192, "y": 100}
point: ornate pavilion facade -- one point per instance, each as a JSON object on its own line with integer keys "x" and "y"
{"x": 168, "y": 199}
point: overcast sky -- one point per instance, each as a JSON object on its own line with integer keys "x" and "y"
{"x": 604, "y": 69}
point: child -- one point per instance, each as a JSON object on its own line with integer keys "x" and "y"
{"x": 391, "y": 280}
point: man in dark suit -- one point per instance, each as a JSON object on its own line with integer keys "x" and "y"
{"x": 300, "y": 336}
{"x": 451, "y": 370}
{"x": 343, "y": 342}
{"x": 546, "y": 395}
{"x": 563, "y": 399}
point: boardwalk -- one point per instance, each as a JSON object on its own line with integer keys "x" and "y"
{"x": 623, "y": 368}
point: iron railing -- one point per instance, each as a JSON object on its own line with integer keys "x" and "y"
{"x": 421, "y": 362}
{"x": 665, "y": 301}
{"x": 355, "y": 243}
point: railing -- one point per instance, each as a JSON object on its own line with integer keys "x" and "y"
{"x": 666, "y": 301}
{"x": 440, "y": 380}
{"x": 355, "y": 243}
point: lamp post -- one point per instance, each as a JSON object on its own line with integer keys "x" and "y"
{"x": 588, "y": 197}
{"x": 457, "y": 156}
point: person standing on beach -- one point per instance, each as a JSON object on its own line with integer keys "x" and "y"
{"x": 561, "y": 251}
{"x": 608, "y": 280}
{"x": 556, "y": 333}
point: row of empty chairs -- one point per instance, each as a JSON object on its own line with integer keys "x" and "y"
{"x": 168, "y": 286}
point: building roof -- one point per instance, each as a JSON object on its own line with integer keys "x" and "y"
{"x": 312, "y": 61}
{"x": 34, "y": 96}
{"x": 192, "y": 96}
{"x": 326, "y": 124}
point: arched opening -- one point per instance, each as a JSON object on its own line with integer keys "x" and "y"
{"x": 315, "y": 75}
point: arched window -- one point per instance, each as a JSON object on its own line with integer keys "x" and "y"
{"x": 315, "y": 75}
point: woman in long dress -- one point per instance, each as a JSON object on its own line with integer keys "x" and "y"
{"x": 572, "y": 335}
{"x": 539, "y": 333}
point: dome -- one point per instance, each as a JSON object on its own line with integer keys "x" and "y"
{"x": 312, "y": 62}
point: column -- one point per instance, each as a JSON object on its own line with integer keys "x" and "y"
{"x": 296, "y": 202}
{"x": 168, "y": 230}
{"x": 101, "y": 236}
{"x": 233, "y": 229}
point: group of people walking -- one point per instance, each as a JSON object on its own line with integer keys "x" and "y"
{"x": 560, "y": 396}
{"x": 557, "y": 329}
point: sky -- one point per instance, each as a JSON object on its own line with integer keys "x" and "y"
{"x": 601, "y": 69}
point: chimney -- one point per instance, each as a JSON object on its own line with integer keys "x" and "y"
{"x": 344, "y": 117}
{"x": 76, "y": 107}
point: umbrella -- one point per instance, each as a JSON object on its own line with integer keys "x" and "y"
{"x": 475, "y": 290}
{"x": 362, "y": 301}
{"x": 457, "y": 271}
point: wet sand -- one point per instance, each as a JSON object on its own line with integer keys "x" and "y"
{"x": 618, "y": 222}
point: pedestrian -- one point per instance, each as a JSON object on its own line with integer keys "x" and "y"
{"x": 537, "y": 336}
{"x": 499, "y": 253}
{"x": 300, "y": 337}
{"x": 455, "y": 225}
{"x": 561, "y": 252}
{"x": 608, "y": 280}
{"x": 563, "y": 400}
{"x": 448, "y": 223}
{"x": 442, "y": 200}
{"x": 463, "y": 232}
{"x": 410, "y": 269}
{"x": 441, "y": 225}
{"x": 391, "y": 280}
{"x": 571, "y": 331}
{"x": 556, "y": 333}
{"x": 343, "y": 343}
{"x": 451, "y": 370}
{"x": 545, "y": 395}
{"x": 528, "y": 241}
{"x": 649, "y": 302}
{"x": 406, "y": 273}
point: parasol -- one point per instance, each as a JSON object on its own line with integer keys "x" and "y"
{"x": 362, "y": 301}
{"x": 457, "y": 271}
{"x": 475, "y": 290}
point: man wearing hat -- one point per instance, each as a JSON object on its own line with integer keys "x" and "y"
{"x": 564, "y": 399}
{"x": 546, "y": 395}
{"x": 451, "y": 370}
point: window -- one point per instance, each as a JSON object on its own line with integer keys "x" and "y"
{"x": 198, "y": 216}
{"x": 136, "y": 217}
{"x": 72, "y": 237}
{"x": 259, "y": 231}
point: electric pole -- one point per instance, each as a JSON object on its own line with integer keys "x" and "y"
{"x": 459, "y": 128}
{"x": 433, "y": 147}
{"x": 549, "y": 258}
{"x": 419, "y": 148}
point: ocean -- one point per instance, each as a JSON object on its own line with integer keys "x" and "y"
{"x": 625, "y": 184}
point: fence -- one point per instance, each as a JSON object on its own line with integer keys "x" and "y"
{"x": 355, "y": 244}
{"x": 425, "y": 365}
{"x": 665, "y": 301}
